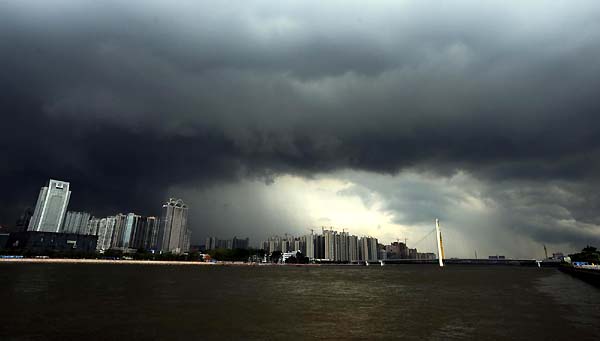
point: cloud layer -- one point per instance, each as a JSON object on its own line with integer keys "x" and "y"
{"x": 129, "y": 101}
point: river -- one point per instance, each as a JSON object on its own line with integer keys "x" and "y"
{"x": 114, "y": 301}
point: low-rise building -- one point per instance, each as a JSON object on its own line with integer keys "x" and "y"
{"x": 46, "y": 242}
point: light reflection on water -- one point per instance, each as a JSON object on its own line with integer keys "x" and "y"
{"x": 73, "y": 301}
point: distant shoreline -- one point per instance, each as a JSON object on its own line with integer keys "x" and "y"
{"x": 107, "y": 261}
{"x": 143, "y": 262}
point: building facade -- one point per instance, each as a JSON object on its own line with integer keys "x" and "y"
{"x": 50, "y": 207}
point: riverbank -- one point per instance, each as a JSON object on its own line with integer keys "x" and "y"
{"x": 102, "y": 261}
{"x": 589, "y": 274}
{"x": 142, "y": 262}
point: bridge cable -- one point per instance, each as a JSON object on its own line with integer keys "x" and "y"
{"x": 422, "y": 239}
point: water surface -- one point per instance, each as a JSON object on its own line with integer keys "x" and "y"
{"x": 108, "y": 301}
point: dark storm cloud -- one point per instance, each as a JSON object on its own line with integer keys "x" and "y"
{"x": 125, "y": 100}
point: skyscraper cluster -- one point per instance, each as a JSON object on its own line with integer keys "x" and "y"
{"x": 330, "y": 245}
{"x": 125, "y": 232}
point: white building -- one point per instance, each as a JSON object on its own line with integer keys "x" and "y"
{"x": 105, "y": 233}
{"x": 50, "y": 207}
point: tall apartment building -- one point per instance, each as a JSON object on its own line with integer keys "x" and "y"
{"x": 76, "y": 222}
{"x": 144, "y": 233}
{"x": 174, "y": 234}
{"x": 119, "y": 229}
{"x": 330, "y": 250}
{"x": 93, "y": 226}
{"x": 309, "y": 246}
{"x": 319, "y": 247}
{"x": 353, "y": 253}
{"x": 150, "y": 240}
{"x": 234, "y": 243}
{"x": 105, "y": 233}
{"x": 344, "y": 246}
{"x": 210, "y": 243}
{"x": 368, "y": 249}
{"x": 131, "y": 227}
{"x": 50, "y": 207}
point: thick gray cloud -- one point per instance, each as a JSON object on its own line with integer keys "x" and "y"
{"x": 126, "y": 101}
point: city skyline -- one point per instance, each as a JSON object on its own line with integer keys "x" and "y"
{"x": 124, "y": 232}
{"x": 172, "y": 234}
{"x": 377, "y": 117}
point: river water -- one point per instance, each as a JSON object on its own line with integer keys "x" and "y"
{"x": 108, "y": 301}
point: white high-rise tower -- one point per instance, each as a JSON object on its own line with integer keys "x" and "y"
{"x": 51, "y": 207}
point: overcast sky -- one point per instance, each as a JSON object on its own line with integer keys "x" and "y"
{"x": 273, "y": 117}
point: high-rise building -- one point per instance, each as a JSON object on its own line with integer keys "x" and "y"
{"x": 118, "y": 231}
{"x": 329, "y": 244}
{"x": 150, "y": 240}
{"x": 284, "y": 246}
{"x": 368, "y": 249}
{"x": 211, "y": 243}
{"x": 105, "y": 233}
{"x": 144, "y": 232}
{"x": 138, "y": 233}
{"x": 238, "y": 243}
{"x": 319, "y": 247}
{"x": 131, "y": 227}
{"x": 353, "y": 248}
{"x": 174, "y": 235}
{"x": 93, "y": 226}
{"x": 50, "y": 207}
{"x": 234, "y": 243}
{"x": 76, "y": 222}
{"x": 310, "y": 246}
{"x": 344, "y": 247}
